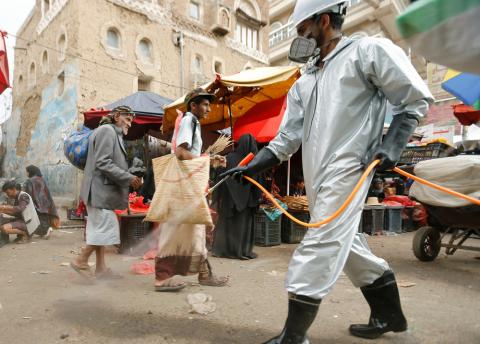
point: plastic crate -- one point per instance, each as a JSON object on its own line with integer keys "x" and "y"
{"x": 413, "y": 155}
{"x": 393, "y": 219}
{"x": 373, "y": 219}
{"x": 72, "y": 214}
{"x": 267, "y": 232}
{"x": 293, "y": 233}
{"x": 132, "y": 232}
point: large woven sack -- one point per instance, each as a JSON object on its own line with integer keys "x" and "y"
{"x": 180, "y": 187}
{"x": 460, "y": 173}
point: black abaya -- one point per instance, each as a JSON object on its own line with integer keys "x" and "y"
{"x": 236, "y": 205}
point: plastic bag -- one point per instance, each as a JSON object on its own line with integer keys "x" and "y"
{"x": 75, "y": 147}
{"x": 143, "y": 268}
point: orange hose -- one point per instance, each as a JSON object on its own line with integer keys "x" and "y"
{"x": 331, "y": 217}
{"x": 354, "y": 192}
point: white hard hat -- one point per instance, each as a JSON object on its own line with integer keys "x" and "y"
{"x": 305, "y": 9}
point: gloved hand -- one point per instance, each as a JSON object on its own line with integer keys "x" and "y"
{"x": 389, "y": 152}
{"x": 262, "y": 161}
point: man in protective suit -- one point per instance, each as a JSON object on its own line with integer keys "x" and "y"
{"x": 336, "y": 112}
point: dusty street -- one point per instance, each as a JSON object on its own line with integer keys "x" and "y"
{"x": 43, "y": 301}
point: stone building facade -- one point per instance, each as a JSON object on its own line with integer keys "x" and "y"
{"x": 74, "y": 55}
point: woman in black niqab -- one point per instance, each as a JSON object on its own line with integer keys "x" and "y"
{"x": 236, "y": 204}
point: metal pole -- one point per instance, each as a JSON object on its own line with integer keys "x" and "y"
{"x": 231, "y": 120}
{"x": 288, "y": 177}
{"x": 464, "y": 132}
{"x": 182, "y": 81}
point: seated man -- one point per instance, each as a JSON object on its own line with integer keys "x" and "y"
{"x": 298, "y": 186}
{"x": 20, "y": 216}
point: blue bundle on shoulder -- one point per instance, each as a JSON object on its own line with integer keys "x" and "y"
{"x": 75, "y": 147}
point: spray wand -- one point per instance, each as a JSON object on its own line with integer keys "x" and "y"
{"x": 245, "y": 161}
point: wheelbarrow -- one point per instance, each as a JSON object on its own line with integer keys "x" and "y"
{"x": 449, "y": 228}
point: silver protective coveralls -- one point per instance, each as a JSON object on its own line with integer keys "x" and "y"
{"x": 337, "y": 114}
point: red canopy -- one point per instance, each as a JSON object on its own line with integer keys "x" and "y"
{"x": 262, "y": 121}
{"x": 465, "y": 114}
{"x": 141, "y": 123}
{"x": 4, "y": 75}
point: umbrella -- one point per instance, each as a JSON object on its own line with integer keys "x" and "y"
{"x": 143, "y": 103}
{"x": 237, "y": 94}
{"x": 4, "y": 75}
{"x": 466, "y": 115}
{"x": 444, "y": 31}
{"x": 464, "y": 86}
{"x": 262, "y": 121}
{"x": 148, "y": 108}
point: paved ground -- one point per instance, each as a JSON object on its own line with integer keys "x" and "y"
{"x": 442, "y": 307}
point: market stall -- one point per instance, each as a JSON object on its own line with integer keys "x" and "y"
{"x": 254, "y": 101}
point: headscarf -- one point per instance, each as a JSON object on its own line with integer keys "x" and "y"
{"x": 33, "y": 171}
{"x": 242, "y": 195}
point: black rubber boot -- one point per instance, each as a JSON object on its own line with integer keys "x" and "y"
{"x": 385, "y": 310}
{"x": 301, "y": 313}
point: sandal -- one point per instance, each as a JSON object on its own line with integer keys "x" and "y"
{"x": 82, "y": 270}
{"x": 49, "y": 232}
{"x": 211, "y": 280}
{"x": 108, "y": 274}
{"x": 23, "y": 240}
{"x": 169, "y": 286}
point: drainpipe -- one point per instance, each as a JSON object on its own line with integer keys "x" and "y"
{"x": 182, "y": 76}
{"x": 178, "y": 41}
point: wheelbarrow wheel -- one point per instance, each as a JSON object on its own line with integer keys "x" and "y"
{"x": 426, "y": 244}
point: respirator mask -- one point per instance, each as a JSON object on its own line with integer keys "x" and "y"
{"x": 304, "y": 49}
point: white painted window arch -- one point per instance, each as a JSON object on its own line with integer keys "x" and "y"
{"x": 32, "y": 75}
{"x": 245, "y": 33}
{"x": 197, "y": 64}
{"x": 45, "y": 61}
{"x": 145, "y": 50}
{"x": 20, "y": 84}
{"x": 250, "y": 7}
{"x": 275, "y": 26}
{"x": 62, "y": 45}
{"x": 46, "y": 5}
{"x": 113, "y": 38}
